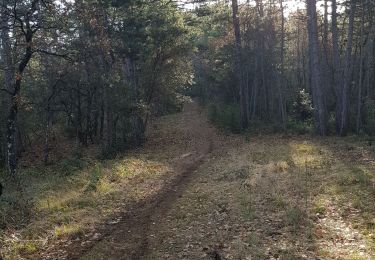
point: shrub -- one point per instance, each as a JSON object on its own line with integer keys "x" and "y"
{"x": 212, "y": 113}
{"x": 225, "y": 116}
{"x": 369, "y": 126}
{"x": 298, "y": 127}
{"x": 94, "y": 178}
{"x": 70, "y": 165}
{"x": 302, "y": 107}
{"x": 262, "y": 127}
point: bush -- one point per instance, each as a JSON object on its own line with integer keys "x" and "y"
{"x": 298, "y": 127}
{"x": 70, "y": 165}
{"x": 302, "y": 107}
{"x": 2, "y": 161}
{"x": 225, "y": 117}
{"x": 169, "y": 104}
{"x": 369, "y": 125}
{"x": 94, "y": 178}
{"x": 331, "y": 125}
{"x": 264, "y": 127}
{"x": 213, "y": 113}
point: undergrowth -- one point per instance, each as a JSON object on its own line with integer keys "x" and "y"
{"x": 227, "y": 118}
{"x": 66, "y": 199}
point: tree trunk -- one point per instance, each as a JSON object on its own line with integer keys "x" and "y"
{"x": 344, "y": 116}
{"x": 336, "y": 64}
{"x": 8, "y": 75}
{"x": 326, "y": 80}
{"x": 28, "y": 33}
{"x": 282, "y": 80}
{"x": 106, "y": 62}
{"x": 361, "y": 71}
{"x": 315, "y": 67}
{"x": 238, "y": 66}
{"x": 137, "y": 122}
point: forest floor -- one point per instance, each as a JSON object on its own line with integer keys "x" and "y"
{"x": 194, "y": 193}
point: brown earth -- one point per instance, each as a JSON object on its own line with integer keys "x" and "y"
{"x": 129, "y": 238}
{"x": 235, "y": 197}
{"x": 183, "y": 146}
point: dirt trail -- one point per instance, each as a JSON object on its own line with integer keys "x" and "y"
{"x": 230, "y": 197}
{"x": 128, "y": 239}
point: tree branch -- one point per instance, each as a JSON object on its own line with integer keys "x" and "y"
{"x": 65, "y": 56}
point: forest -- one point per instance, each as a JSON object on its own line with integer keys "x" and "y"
{"x": 187, "y": 129}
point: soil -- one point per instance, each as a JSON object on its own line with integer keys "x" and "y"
{"x": 129, "y": 238}
{"x": 236, "y": 197}
{"x": 126, "y": 235}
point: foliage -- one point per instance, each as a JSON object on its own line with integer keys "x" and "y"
{"x": 369, "y": 108}
{"x": 99, "y": 77}
{"x": 226, "y": 117}
{"x": 300, "y": 128}
{"x": 275, "y": 64}
{"x": 63, "y": 200}
{"x": 302, "y": 107}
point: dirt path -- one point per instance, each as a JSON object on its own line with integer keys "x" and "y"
{"x": 273, "y": 197}
{"x": 128, "y": 239}
{"x": 231, "y": 197}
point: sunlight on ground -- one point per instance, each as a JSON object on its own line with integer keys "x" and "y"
{"x": 71, "y": 205}
{"x": 271, "y": 198}
{"x": 335, "y": 234}
{"x": 266, "y": 197}
{"x": 68, "y": 200}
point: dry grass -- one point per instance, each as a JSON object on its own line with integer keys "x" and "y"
{"x": 55, "y": 205}
{"x": 263, "y": 197}
{"x": 70, "y": 198}
{"x": 274, "y": 197}
{"x": 67, "y": 201}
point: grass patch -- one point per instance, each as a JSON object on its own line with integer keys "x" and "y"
{"x": 234, "y": 174}
{"x": 68, "y": 198}
{"x": 94, "y": 178}
{"x": 251, "y": 243}
{"x": 71, "y": 165}
{"x": 277, "y": 201}
{"x": 354, "y": 176}
{"x": 247, "y": 207}
{"x": 226, "y": 117}
{"x": 289, "y": 254}
{"x": 68, "y": 229}
{"x": 295, "y": 218}
{"x": 319, "y": 207}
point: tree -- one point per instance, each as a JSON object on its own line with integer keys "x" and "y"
{"x": 282, "y": 70}
{"x": 25, "y": 22}
{"x": 344, "y": 115}
{"x": 336, "y": 64}
{"x": 8, "y": 72}
{"x": 315, "y": 68}
{"x": 239, "y": 65}
{"x": 83, "y": 70}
